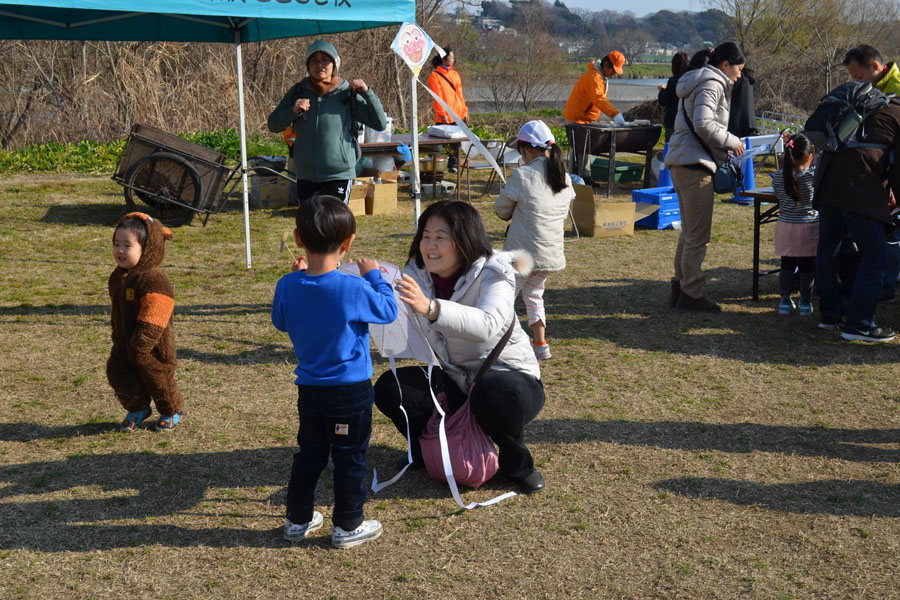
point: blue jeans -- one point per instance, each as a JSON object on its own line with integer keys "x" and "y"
{"x": 891, "y": 264}
{"x": 869, "y": 236}
{"x": 334, "y": 420}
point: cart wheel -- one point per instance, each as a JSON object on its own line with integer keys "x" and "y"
{"x": 167, "y": 183}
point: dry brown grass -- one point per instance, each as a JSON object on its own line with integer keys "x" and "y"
{"x": 738, "y": 455}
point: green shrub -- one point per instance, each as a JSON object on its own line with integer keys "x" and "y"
{"x": 92, "y": 157}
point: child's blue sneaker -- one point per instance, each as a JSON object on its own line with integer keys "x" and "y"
{"x": 168, "y": 422}
{"x": 786, "y": 307}
{"x": 134, "y": 419}
{"x": 297, "y": 532}
{"x": 805, "y": 309}
{"x": 366, "y": 532}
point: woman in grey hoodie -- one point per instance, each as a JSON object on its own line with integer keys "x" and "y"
{"x": 700, "y": 144}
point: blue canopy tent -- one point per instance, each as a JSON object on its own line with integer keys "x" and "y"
{"x": 222, "y": 21}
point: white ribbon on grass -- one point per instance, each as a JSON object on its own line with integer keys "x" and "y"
{"x": 416, "y": 331}
{"x": 465, "y": 129}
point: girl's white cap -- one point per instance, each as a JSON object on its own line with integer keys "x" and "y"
{"x": 535, "y": 133}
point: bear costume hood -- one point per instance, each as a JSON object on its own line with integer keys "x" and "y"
{"x": 154, "y": 249}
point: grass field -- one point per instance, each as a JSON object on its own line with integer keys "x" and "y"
{"x": 738, "y": 455}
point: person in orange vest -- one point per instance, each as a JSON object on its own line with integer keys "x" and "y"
{"x": 588, "y": 97}
{"x": 445, "y": 82}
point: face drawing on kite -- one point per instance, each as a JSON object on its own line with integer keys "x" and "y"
{"x": 412, "y": 43}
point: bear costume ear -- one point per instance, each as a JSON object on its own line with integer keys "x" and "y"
{"x": 167, "y": 233}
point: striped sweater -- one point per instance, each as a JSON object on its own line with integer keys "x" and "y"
{"x": 789, "y": 210}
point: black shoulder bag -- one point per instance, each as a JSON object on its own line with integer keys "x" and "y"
{"x": 728, "y": 178}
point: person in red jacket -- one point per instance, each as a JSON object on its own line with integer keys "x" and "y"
{"x": 445, "y": 82}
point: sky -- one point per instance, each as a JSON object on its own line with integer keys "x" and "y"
{"x": 639, "y": 7}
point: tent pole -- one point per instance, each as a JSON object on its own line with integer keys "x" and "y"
{"x": 414, "y": 130}
{"x": 240, "y": 82}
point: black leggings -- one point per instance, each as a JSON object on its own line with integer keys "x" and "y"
{"x": 339, "y": 188}
{"x": 503, "y": 402}
{"x": 805, "y": 267}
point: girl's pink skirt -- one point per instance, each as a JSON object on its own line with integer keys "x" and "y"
{"x": 796, "y": 239}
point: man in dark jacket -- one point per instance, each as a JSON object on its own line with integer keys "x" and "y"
{"x": 852, "y": 191}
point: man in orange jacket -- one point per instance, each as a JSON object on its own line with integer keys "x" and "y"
{"x": 588, "y": 97}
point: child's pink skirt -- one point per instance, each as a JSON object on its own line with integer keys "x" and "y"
{"x": 796, "y": 239}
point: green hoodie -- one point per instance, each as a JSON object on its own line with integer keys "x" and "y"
{"x": 323, "y": 150}
{"x": 890, "y": 83}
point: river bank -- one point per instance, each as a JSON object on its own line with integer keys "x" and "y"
{"x": 623, "y": 93}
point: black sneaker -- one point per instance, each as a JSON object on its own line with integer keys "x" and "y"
{"x": 874, "y": 334}
{"x": 701, "y": 304}
{"x": 675, "y": 293}
{"x": 532, "y": 483}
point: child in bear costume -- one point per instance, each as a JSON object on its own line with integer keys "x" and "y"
{"x": 141, "y": 365}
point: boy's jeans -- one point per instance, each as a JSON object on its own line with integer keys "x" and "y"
{"x": 335, "y": 420}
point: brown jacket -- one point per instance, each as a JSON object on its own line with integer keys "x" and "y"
{"x": 857, "y": 179}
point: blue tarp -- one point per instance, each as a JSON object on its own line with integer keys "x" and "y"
{"x": 194, "y": 20}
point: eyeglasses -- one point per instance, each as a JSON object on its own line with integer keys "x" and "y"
{"x": 320, "y": 61}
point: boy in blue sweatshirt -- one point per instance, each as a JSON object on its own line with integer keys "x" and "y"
{"x": 327, "y": 313}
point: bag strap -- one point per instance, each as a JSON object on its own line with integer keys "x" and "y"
{"x": 492, "y": 357}
{"x": 445, "y": 79}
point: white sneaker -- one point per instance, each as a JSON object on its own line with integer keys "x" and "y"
{"x": 366, "y": 532}
{"x": 297, "y": 532}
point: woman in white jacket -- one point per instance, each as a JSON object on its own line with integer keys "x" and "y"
{"x": 462, "y": 292}
{"x": 700, "y": 144}
{"x": 536, "y": 201}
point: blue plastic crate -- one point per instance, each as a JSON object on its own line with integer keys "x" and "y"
{"x": 667, "y": 200}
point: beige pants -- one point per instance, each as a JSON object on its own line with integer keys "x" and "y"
{"x": 695, "y": 201}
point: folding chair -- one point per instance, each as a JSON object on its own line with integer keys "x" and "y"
{"x": 474, "y": 160}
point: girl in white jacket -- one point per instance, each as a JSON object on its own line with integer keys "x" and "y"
{"x": 462, "y": 293}
{"x": 536, "y": 201}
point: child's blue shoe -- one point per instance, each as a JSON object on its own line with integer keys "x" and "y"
{"x": 805, "y": 309}
{"x": 168, "y": 422}
{"x": 134, "y": 419}
{"x": 786, "y": 307}
{"x": 297, "y": 532}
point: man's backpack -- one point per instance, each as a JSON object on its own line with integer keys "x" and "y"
{"x": 841, "y": 115}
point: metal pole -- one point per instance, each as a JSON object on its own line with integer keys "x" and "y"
{"x": 240, "y": 82}
{"x": 414, "y": 130}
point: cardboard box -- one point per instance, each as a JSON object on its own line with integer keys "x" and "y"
{"x": 272, "y": 192}
{"x": 606, "y": 219}
{"x": 382, "y": 199}
{"x": 386, "y": 176}
{"x": 357, "y": 201}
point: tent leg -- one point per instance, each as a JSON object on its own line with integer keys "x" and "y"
{"x": 240, "y": 82}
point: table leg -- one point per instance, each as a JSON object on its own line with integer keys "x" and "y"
{"x": 611, "y": 181}
{"x": 647, "y": 164}
{"x": 434, "y": 159}
{"x": 458, "y": 171}
{"x": 756, "y": 219}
